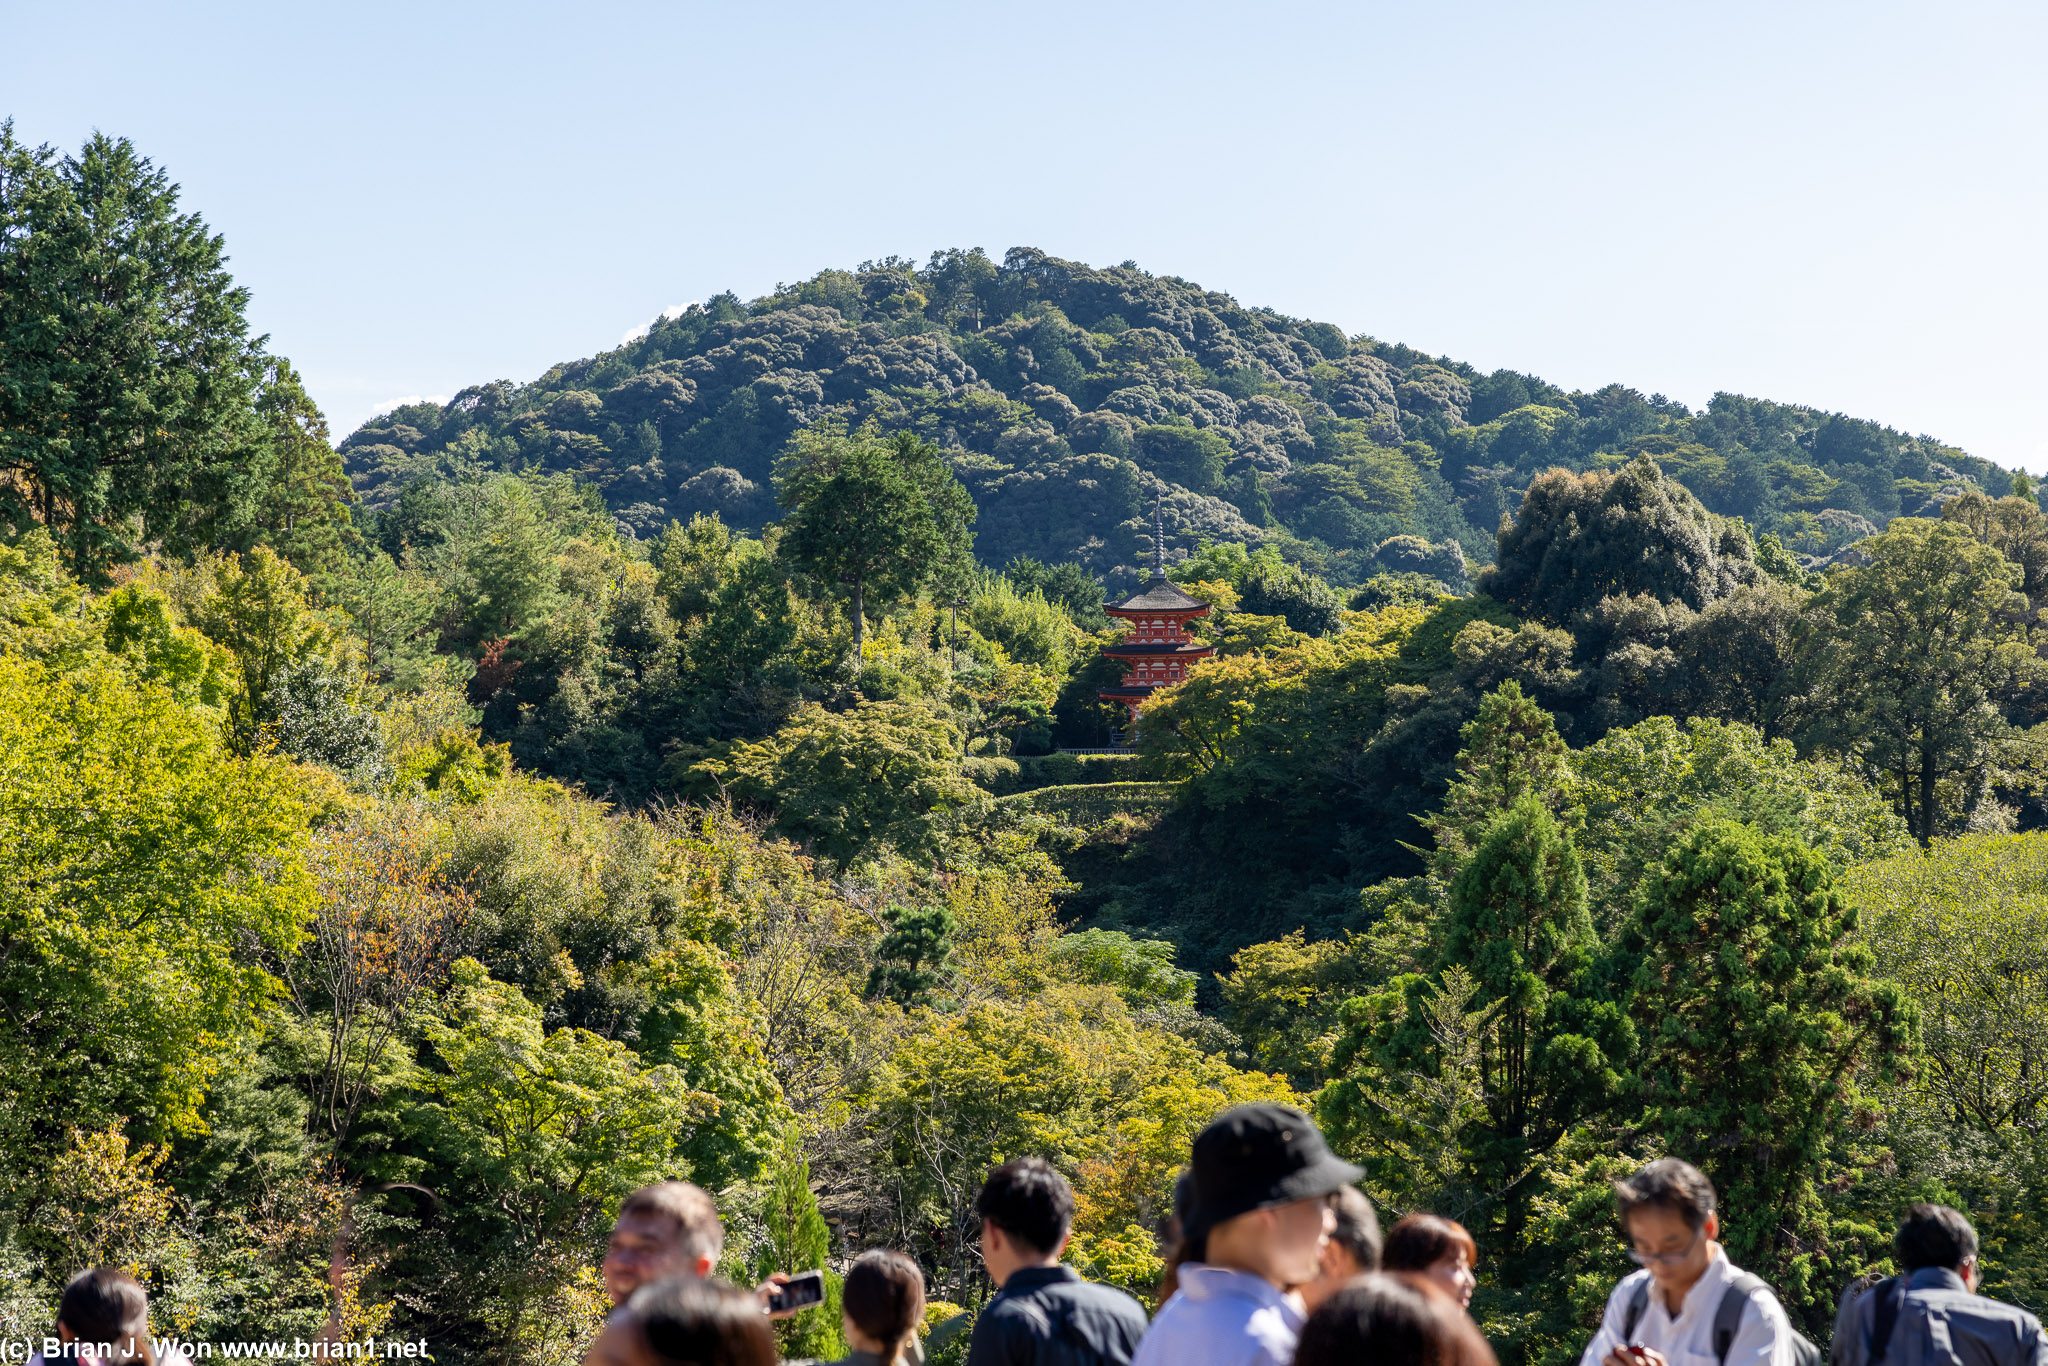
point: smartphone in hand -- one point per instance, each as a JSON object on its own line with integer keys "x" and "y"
{"x": 803, "y": 1289}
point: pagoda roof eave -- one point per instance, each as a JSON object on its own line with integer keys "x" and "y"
{"x": 1158, "y": 597}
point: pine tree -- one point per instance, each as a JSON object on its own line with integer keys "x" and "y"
{"x": 915, "y": 955}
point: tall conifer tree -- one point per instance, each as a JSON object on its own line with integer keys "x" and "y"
{"x": 126, "y": 370}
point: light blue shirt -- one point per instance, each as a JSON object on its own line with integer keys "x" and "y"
{"x": 1221, "y": 1317}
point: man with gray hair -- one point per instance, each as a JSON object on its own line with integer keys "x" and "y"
{"x": 1930, "y": 1314}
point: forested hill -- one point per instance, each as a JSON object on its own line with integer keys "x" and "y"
{"x": 1066, "y": 395}
{"x": 387, "y": 891}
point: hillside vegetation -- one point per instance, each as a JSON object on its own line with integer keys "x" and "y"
{"x": 1066, "y": 397}
{"x": 393, "y": 876}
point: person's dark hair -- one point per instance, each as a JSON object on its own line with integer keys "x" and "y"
{"x": 1177, "y": 1245}
{"x": 1418, "y": 1242}
{"x": 884, "y": 1296}
{"x": 1669, "y": 1184}
{"x": 1391, "y": 1320}
{"x": 692, "y": 1321}
{"x": 700, "y": 1231}
{"x": 1189, "y": 1247}
{"x": 1934, "y": 1235}
{"x": 1358, "y": 1228}
{"x": 1029, "y": 1202}
{"x": 107, "y": 1306}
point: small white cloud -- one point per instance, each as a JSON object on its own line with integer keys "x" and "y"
{"x": 669, "y": 314}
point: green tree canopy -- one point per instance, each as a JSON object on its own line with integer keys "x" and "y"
{"x": 1518, "y": 922}
{"x": 301, "y": 510}
{"x": 878, "y": 517}
{"x": 1914, "y": 659}
{"x": 257, "y": 609}
{"x": 1635, "y": 788}
{"x": 1304, "y": 600}
{"x": 130, "y": 375}
{"x": 1068, "y": 583}
{"x": 2015, "y": 526}
{"x": 1142, "y": 970}
{"x": 1509, "y": 751}
{"x": 545, "y": 1132}
{"x": 140, "y": 861}
{"x": 1964, "y": 928}
{"x": 1761, "y": 1023}
{"x": 850, "y": 783}
{"x": 1476, "y": 1072}
{"x": 1579, "y": 538}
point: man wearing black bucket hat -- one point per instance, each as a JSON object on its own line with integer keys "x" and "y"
{"x": 1261, "y": 1179}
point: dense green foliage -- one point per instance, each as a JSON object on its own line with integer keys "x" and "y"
{"x": 1064, "y": 396}
{"x": 393, "y": 875}
{"x": 134, "y": 399}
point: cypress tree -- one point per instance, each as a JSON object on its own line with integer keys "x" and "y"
{"x": 1518, "y": 923}
{"x": 127, "y": 413}
{"x": 800, "y": 1240}
{"x": 1509, "y": 750}
{"x": 1760, "y": 1017}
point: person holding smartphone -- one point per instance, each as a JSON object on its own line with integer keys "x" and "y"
{"x": 671, "y": 1229}
{"x": 1689, "y": 1305}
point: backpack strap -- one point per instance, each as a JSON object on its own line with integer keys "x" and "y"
{"x": 1728, "y": 1313}
{"x": 1638, "y": 1301}
{"x": 1885, "y": 1314}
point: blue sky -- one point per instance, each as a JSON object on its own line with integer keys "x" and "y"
{"x": 1838, "y": 205}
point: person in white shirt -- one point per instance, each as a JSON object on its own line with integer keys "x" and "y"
{"x": 1261, "y": 1179}
{"x": 1671, "y": 1313}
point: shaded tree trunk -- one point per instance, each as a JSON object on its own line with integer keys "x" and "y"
{"x": 1926, "y": 831}
{"x": 857, "y": 632}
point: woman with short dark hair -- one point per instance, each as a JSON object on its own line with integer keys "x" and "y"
{"x": 1437, "y": 1248}
{"x": 104, "y": 1314}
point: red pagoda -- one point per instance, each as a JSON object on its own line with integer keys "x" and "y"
{"x": 1158, "y": 651}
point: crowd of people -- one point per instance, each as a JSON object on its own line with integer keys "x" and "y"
{"x": 1275, "y": 1258}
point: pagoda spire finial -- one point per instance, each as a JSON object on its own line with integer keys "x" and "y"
{"x": 1159, "y": 535}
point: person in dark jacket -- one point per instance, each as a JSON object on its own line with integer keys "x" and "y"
{"x": 1930, "y": 1314}
{"x": 1043, "y": 1314}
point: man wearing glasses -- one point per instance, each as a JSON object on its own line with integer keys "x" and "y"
{"x": 1689, "y": 1305}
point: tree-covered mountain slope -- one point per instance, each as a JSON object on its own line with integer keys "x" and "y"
{"x": 1067, "y": 397}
